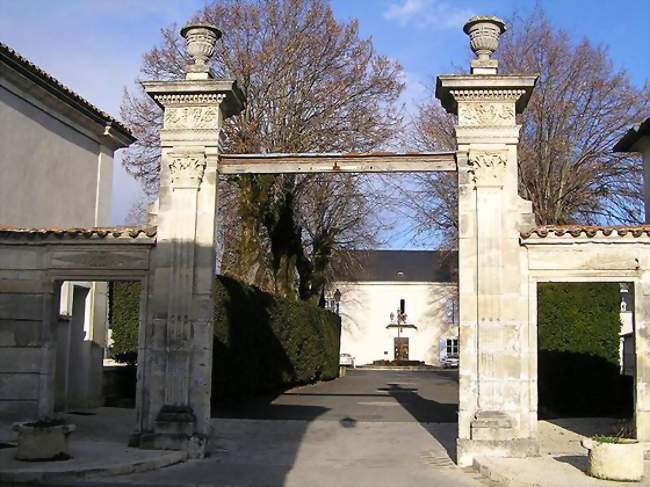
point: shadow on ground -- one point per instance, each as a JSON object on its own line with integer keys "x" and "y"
{"x": 577, "y": 461}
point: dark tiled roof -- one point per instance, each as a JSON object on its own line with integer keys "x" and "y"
{"x": 396, "y": 265}
{"x": 78, "y": 233}
{"x": 27, "y": 68}
{"x": 587, "y": 230}
{"x": 632, "y": 136}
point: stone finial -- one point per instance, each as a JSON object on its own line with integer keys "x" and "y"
{"x": 200, "y": 39}
{"x": 484, "y": 32}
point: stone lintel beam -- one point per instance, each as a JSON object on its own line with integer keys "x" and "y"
{"x": 370, "y": 162}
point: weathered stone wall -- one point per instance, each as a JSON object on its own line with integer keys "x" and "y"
{"x": 31, "y": 269}
{"x": 26, "y": 355}
{"x": 601, "y": 257}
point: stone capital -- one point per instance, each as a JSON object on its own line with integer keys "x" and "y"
{"x": 186, "y": 169}
{"x": 487, "y": 167}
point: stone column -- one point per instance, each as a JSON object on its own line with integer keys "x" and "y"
{"x": 497, "y": 405}
{"x": 175, "y": 363}
{"x": 642, "y": 355}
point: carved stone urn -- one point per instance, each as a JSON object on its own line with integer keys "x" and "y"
{"x": 484, "y": 32}
{"x": 200, "y": 39}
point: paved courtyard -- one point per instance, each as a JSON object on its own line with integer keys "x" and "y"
{"x": 360, "y": 396}
{"x": 370, "y": 428}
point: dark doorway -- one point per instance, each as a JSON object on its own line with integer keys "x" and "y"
{"x": 401, "y": 348}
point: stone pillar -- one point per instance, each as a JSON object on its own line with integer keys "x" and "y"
{"x": 175, "y": 363}
{"x": 28, "y": 311}
{"x": 642, "y": 355}
{"x": 497, "y": 396}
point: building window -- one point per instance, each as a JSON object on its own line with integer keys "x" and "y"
{"x": 452, "y": 346}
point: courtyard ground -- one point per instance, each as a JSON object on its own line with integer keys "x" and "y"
{"x": 370, "y": 428}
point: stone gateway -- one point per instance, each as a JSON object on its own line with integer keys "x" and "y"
{"x": 502, "y": 256}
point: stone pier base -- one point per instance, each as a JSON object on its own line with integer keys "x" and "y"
{"x": 469, "y": 449}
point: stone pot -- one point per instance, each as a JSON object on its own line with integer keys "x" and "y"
{"x": 200, "y": 39}
{"x": 42, "y": 441}
{"x": 484, "y": 32}
{"x": 622, "y": 460}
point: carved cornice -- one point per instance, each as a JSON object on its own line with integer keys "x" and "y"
{"x": 189, "y": 98}
{"x": 486, "y": 94}
{"x": 186, "y": 170}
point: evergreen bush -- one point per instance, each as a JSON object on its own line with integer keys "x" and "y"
{"x": 261, "y": 342}
{"x": 578, "y": 339}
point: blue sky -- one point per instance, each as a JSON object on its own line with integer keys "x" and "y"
{"x": 96, "y": 46}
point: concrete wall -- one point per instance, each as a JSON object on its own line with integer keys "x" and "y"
{"x": 365, "y": 309}
{"x": 50, "y": 172}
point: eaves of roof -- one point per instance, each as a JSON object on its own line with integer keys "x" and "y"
{"x": 54, "y": 87}
{"x": 78, "y": 233}
{"x": 632, "y": 136}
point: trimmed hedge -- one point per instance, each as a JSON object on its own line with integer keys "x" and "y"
{"x": 124, "y": 315}
{"x": 261, "y": 342}
{"x": 578, "y": 330}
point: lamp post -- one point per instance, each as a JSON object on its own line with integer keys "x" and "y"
{"x": 337, "y": 300}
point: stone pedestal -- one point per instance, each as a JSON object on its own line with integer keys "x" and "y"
{"x": 175, "y": 355}
{"x": 497, "y": 397}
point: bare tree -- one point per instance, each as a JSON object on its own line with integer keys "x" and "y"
{"x": 312, "y": 84}
{"x": 580, "y": 107}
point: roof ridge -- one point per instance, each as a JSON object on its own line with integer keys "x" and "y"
{"x": 590, "y": 231}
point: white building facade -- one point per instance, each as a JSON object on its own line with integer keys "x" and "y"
{"x": 378, "y": 285}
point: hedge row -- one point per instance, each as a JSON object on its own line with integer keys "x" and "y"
{"x": 261, "y": 342}
{"x": 578, "y": 329}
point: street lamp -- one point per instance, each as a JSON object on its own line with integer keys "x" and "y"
{"x": 337, "y": 299}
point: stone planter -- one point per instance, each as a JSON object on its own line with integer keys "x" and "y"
{"x": 42, "y": 440}
{"x": 619, "y": 460}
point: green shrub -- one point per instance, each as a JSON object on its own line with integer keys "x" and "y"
{"x": 578, "y": 330}
{"x": 261, "y": 342}
{"x": 124, "y": 316}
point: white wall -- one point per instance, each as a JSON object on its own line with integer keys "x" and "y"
{"x": 365, "y": 312}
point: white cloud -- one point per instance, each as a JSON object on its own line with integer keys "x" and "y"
{"x": 429, "y": 13}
